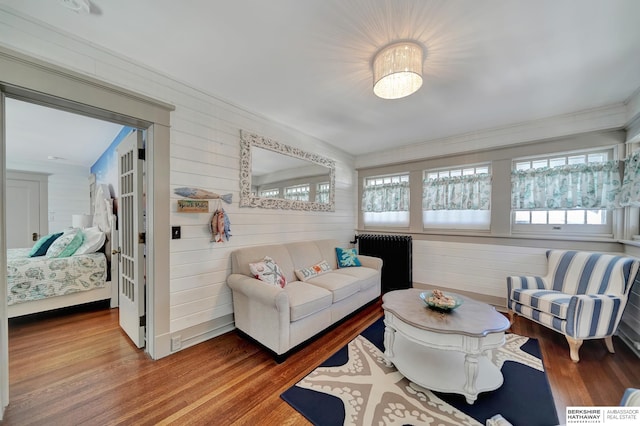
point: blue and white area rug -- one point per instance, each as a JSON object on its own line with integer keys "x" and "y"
{"x": 355, "y": 387}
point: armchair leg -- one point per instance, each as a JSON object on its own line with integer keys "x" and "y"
{"x": 512, "y": 316}
{"x": 609, "y": 342}
{"x": 574, "y": 347}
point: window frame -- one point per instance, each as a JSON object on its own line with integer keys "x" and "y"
{"x": 404, "y": 176}
{"x": 606, "y": 229}
{"x": 483, "y": 226}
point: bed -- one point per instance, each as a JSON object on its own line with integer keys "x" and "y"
{"x": 38, "y": 284}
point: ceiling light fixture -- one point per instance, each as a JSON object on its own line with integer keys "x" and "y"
{"x": 397, "y": 70}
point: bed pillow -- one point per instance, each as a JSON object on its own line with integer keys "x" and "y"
{"x": 313, "y": 271}
{"x": 269, "y": 272}
{"x": 42, "y": 245}
{"x": 67, "y": 244}
{"x": 94, "y": 239}
{"x": 347, "y": 257}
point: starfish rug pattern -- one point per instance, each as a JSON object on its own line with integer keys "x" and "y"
{"x": 373, "y": 393}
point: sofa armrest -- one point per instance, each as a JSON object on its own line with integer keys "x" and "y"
{"x": 523, "y": 282}
{"x": 594, "y": 316}
{"x": 261, "y": 311}
{"x": 266, "y": 294}
{"x": 370, "y": 262}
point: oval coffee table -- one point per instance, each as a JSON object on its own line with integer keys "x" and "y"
{"x": 444, "y": 352}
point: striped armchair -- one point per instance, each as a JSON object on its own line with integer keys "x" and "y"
{"x": 582, "y": 296}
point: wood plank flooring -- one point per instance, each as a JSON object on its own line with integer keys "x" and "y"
{"x": 79, "y": 368}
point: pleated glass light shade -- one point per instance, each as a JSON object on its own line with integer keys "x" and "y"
{"x": 397, "y": 70}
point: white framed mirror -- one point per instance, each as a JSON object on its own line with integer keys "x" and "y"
{"x": 278, "y": 176}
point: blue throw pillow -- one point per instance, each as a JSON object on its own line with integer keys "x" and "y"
{"x": 42, "y": 245}
{"x": 347, "y": 257}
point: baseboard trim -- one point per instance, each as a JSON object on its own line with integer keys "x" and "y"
{"x": 202, "y": 332}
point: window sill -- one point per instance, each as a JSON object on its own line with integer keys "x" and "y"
{"x": 511, "y": 236}
{"x": 633, "y": 243}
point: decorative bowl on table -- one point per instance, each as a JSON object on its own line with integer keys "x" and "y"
{"x": 438, "y": 300}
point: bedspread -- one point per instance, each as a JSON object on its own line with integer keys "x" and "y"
{"x": 33, "y": 278}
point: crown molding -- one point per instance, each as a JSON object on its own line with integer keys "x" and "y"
{"x": 591, "y": 120}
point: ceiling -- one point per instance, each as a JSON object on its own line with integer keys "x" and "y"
{"x": 38, "y": 134}
{"x": 307, "y": 64}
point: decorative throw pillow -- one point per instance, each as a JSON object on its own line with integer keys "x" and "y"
{"x": 94, "y": 238}
{"x": 269, "y": 272}
{"x": 313, "y": 271}
{"x": 42, "y": 245}
{"x": 67, "y": 244}
{"x": 347, "y": 257}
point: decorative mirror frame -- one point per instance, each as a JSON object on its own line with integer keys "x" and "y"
{"x": 249, "y": 140}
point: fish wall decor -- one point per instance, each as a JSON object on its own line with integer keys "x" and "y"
{"x": 202, "y": 194}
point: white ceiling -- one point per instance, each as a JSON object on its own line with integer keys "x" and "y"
{"x": 306, "y": 64}
{"x": 34, "y": 133}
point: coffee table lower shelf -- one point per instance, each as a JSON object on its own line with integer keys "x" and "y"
{"x": 444, "y": 370}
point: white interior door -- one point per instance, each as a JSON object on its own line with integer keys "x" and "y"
{"x": 131, "y": 279}
{"x": 23, "y": 213}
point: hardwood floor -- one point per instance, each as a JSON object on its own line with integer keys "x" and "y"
{"x": 79, "y": 368}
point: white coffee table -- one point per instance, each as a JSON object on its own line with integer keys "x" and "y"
{"x": 444, "y": 352}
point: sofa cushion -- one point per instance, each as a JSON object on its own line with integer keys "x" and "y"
{"x": 543, "y": 318}
{"x": 240, "y": 259}
{"x": 306, "y": 299}
{"x": 340, "y": 285}
{"x": 304, "y": 254}
{"x": 551, "y": 301}
{"x": 328, "y": 250}
{"x": 368, "y": 277}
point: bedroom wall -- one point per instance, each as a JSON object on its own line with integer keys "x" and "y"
{"x": 106, "y": 166}
{"x": 68, "y": 190}
{"x": 204, "y": 153}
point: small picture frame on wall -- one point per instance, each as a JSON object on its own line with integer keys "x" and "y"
{"x": 193, "y": 206}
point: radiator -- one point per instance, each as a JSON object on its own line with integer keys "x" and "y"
{"x": 396, "y": 253}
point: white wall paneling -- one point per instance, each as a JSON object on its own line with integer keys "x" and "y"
{"x": 476, "y": 268}
{"x": 204, "y": 152}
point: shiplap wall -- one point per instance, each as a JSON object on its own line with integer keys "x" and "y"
{"x": 475, "y": 268}
{"x": 68, "y": 190}
{"x": 204, "y": 153}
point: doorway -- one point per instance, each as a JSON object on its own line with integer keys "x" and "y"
{"x": 35, "y": 80}
{"x": 82, "y": 147}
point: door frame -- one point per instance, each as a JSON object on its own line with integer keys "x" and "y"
{"x": 33, "y": 80}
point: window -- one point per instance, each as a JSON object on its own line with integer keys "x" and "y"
{"x": 270, "y": 193}
{"x": 385, "y": 201}
{"x": 298, "y": 193}
{"x": 322, "y": 192}
{"x": 457, "y": 197}
{"x": 570, "y": 192}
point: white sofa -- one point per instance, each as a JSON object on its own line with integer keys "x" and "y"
{"x": 283, "y": 318}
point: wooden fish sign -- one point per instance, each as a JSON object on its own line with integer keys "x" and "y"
{"x": 201, "y": 194}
